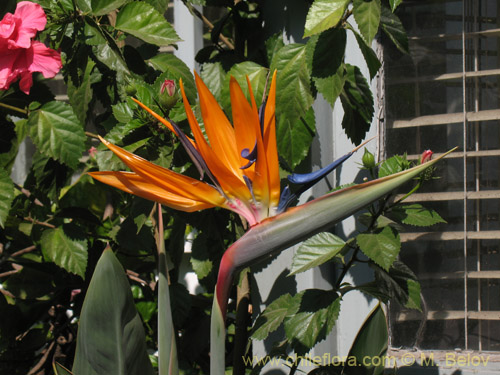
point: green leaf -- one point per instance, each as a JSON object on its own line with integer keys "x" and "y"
{"x": 57, "y": 133}
{"x": 202, "y": 267}
{"x": 143, "y": 21}
{"x": 331, "y": 87}
{"x": 171, "y": 64}
{"x": 395, "y": 4}
{"x": 110, "y": 57}
{"x": 393, "y": 165}
{"x": 322, "y": 60}
{"x": 160, "y": 5}
{"x": 102, "y": 7}
{"x": 273, "y": 44}
{"x": 122, "y": 112}
{"x": 111, "y": 337}
{"x": 315, "y": 251}
{"x": 370, "y": 342}
{"x": 84, "y": 5}
{"x": 294, "y": 138}
{"x": 66, "y": 246}
{"x": 293, "y": 86}
{"x": 392, "y": 26}
{"x": 367, "y": 16}
{"x": 80, "y": 95}
{"x": 399, "y": 283}
{"x": 357, "y": 102}
{"x": 213, "y": 75}
{"x": 311, "y": 316}
{"x": 256, "y": 74}
{"x": 416, "y": 214}
{"x": 382, "y": 247}
{"x": 6, "y": 196}
{"x": 272, "y": 317}
{"x": 371, "y": 58}
{"x": 324, "y": 14}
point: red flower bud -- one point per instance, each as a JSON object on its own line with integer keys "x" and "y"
{"x": 168, "y": 86}
{"x": 426, "y": 156}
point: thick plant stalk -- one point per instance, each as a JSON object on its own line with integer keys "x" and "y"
{"x": 287, "y": 229}
{"x": 167, "y": 350}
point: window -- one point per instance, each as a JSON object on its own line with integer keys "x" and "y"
{"x": 446, "y": 94}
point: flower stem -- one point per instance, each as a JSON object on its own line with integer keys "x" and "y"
{"x": 12, "y": 108}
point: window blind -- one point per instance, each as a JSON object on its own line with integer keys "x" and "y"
{"x": 446, "y": 94}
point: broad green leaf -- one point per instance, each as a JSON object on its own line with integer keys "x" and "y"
{"x": 84, "y": 5}
{"x": 273, "y": 44}
{"x": 143, "y": 21}
{"x": 111, "y": 337}
{"x": 395, "y": 4}
{"x": 171, "y": 64}
{"x": 367, "y": 16}
{"x": 311, "y": 317}
{"x": 370, "y": 342}
{"x": 66, "y": 246}
{"x": 122, "y": 112}
{"x": 257, "y": 75}
{"x": 6, "y": 196}
{"x": 416, "y": 214}
{"x": 102, "y": 7}
{"x": 160, "y": 5}
{"x": 293, "y": 86}
{"x": 85, "y": 193}
{"x": 382, "y": 246}
{"x": 393, "y": 165}
{"x": 399, "y": 283}
{"x": 323, "y": 15}
{"x": 80, "y": 95}
{"x": 371, "y": 58}
{"x": 322, "y": 60}
{"x": 213, "y": 75}
{"x": 57, "y": 133}
{"x": 110, "y": 57}
{"x": 93, "y": 36}
{"x": 272, "y": 317}
{"x": 315, "y": 251}
{"x": 331, "y": 87}
{"x": 357, "y": 102}
{"x": 202, "y": 267}
{"x": 392, "y": 26}
{"x": 294, "y": 138}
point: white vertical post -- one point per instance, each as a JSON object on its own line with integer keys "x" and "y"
{"x": 190, "y": 30}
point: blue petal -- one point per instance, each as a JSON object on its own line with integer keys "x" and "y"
{"x": 250, "y": 156}
{"x": 285, "y": 199}
{"x": 313, "y": 177}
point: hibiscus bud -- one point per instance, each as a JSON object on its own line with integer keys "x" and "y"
{"x": 130, "y": 89}
{"x": 368, "y": 159}
{"x": 426, "y": 156}
{"x": 168, "y": 94}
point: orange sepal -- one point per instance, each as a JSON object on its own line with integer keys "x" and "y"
{"x": 135, "y": 184}
{"x": 168, "y": 180}
{"x": 269, "y": 138}
{"x": 232, "y": 184}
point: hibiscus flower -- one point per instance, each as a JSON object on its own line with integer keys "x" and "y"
{"x": 20, "y": 56}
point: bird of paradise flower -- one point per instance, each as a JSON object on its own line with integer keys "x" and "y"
{"x": 241, "y": 163}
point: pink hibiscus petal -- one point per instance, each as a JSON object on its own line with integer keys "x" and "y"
{"x": 45, "y": 60}
{"x": 29, "y": 18}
